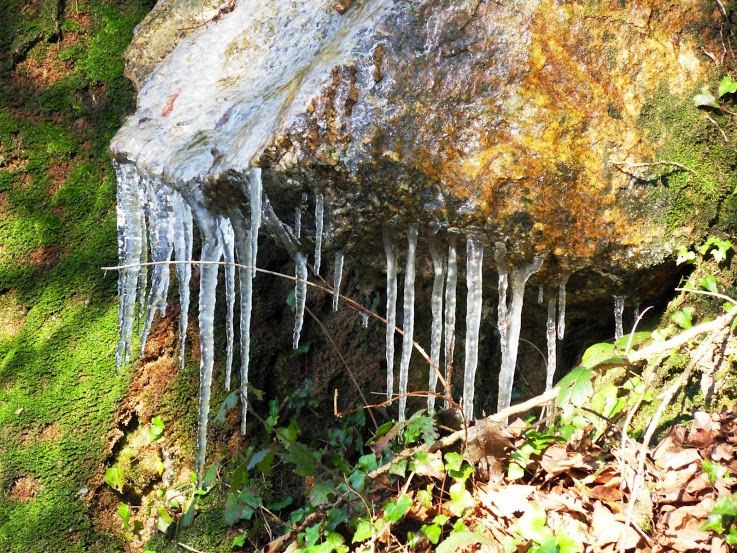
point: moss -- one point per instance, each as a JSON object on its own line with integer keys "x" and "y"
{"x": 684, "y": 135}
{"x": 58, "y": 390}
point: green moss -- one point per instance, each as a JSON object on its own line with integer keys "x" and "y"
{"x": 685, "y": 136}
{"x": 59, "y": 393}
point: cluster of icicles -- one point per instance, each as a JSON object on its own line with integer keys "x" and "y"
{"x": 153, "y": 217}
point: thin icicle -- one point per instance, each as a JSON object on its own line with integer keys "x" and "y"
{"x": 130, "y": 238}
{"x": 391, "y": 309}
{"x": 298, "y": 222}
{"x": 436, "y": 334}
{"x": 519, "y": 276}
{"x": 227, "y": 239}
{"x": 211, "y": 254}
{"x": 451, "y": 282}
{"x": 183, "y": 232}
{"x": 243, "y": 253}
{"x": 409, "y": 319}
{"x": 337, "y": 276}
{"x": 474, "y": 262}
{"x": 143, "y": 274}
{"x": 364, "y": 319}
{"x": 562, "y": 304}
{"x": 551, "y": 337}
{"x": 255, "y": 197}
{"x": 540, "y": 294}
{"x": 636, "y": 309}
{"x": 618, "y": 313}
{"x": 161, "y": 228}
{"x": 319, "y": 220}
{"x": 280, "y": 231}
{"x": 300, "y": 295}
{"x": 500, "y": 256}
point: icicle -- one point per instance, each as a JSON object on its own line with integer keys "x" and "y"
{"x": 500, "y": 256}
{"x": 618, "y": 312}
{"x": 300, "y": 295}
{"x": 183, "y": 231}
{"x": 298, "y": 222}
{"x": 474, "y": 262}
{"x": 243, "y": 252}
{"x": 161, "y": 228}
{"x": 436, "y": 334}
{"x": 391, "y": 309}
{"x": 319, "y": 219}
{"x": 451, "y": 281}
{"x": 551, "y": 336}
{"x": 520, "y": 274}
{"x": 282, "y": 232}
{"x": 562, "y": 304}
{"x": 227, "y": 239}
{"x": 540, "y": 294}
{"x": 409, "y": 319}
{"x": 130, "y": 238}
{"x": 364, "y": 319}
{"x": 337, "y": 276}
{"x": 211, "y": 254}
{"x": 143, "y": 275}
{"x": 636, "y": 309}
{"x": 255, "y": 196}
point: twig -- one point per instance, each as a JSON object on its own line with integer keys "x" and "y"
{"x": 683, "y": 338}
{"x": 634, "y": 328}
{"x": 187, "y": 547}
{"x": 345, "y": 364}
{"x": 724, "y": 135}
{"x": 619, "y": 165}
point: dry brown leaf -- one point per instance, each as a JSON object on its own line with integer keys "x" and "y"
{"x": 722, "y": 452}
{"x": 608, "y": 530}
{"x": 556, "y": 460}
{"x": 554, "y": 501}
{"x": 508, "y": 500}
{"x": 678, "y": 460}
{"x": 606, "y": 493}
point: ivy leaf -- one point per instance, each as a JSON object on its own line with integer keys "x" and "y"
{"x": 394, "y": 510}
{"x": 715, "y": 471}
{"x": 433, "y": 532}
{"x": 597, "y": 354}
{"x": 709, "y": 283}
{"x": 363, "y": 531}
{"x": 533, "y": 525}
{"x": 164, "y": 520}
{"x": 705, "y": 98}
{"x": 575, "y": 387}
{"x": 125, "y": 513}
{"x": 460, "y": 498}
{"x": 685, "y": 255}
{"x": 727, "y": 86}
{"x": 683, "y": 317}
{"x": 157, "y": 429}
{"x": 714, "y": 523}
{"x": 228, "y": 405}
{"x": 321, "y": 493}
{"x": 420, "y": 425}
{"x": 240, "y": 541}
{"x": 115, "y": 478}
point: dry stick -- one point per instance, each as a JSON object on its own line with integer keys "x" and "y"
{"x": 345, "y": 364}
{"x": 619, "y": 164}
{"x": 351, "y": 303}
{"x": 187, "y": 547}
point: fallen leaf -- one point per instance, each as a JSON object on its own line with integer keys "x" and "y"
{"x": 608, "y": 530}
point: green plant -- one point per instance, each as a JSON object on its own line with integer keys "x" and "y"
{"x": 722, "y": 519}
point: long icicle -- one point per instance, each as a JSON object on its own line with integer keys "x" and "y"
{"x": 130, "y": 236}
{"x": 500, "y": 257}
{"x": 319, "y": 221}
{"x": 227, "y": 240}
{"x": 183, "y": 252}
{"x": 211, "y": 253}
{"x": 409, "y": 319}
{"x": 255, "y": 192}
{"x": 550, "y": 334}
{"x": 520, "y": 274}
{"x": 243, "y": 253}
{"x": 390, "y": 248}
{"x": 436, "y": 333}
{"x": 337, "y": 277}
{"x": 300, "y": 295}
{"x": 451, "y": 283}
{"x": 618, "y": 313}
{"x": 474, "y": 281}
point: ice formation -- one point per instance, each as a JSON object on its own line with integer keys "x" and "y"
{"x": 227, "y": 239}
{"x": 550, "y": 333}
{"x": 436, "y": 333}
{"x": 510, "y": 325}
{"x": 255, "y": 194}
{"x": 562, "y": 304}
{"x": 337, "y": 276}
{"x": 390, "y": 248}
{"x": 618, "y": 312}
{"x": 364, "y": 319}
{"x": 540, "y": 294}
{"x": 300, "y": 295}
{"x": 409, "y": 319}
{"x": 451, "y": 282}
{"x": 183, "y": 238}
{"x": 319, "y": 219}
{"x": 474, "y": 262}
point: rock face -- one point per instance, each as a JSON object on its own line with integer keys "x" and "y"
{"x": 516, "y": 119}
